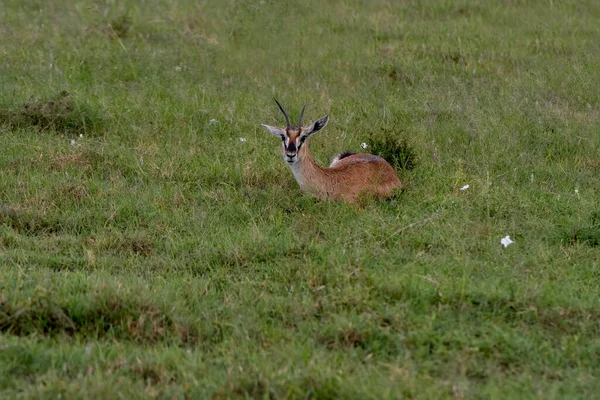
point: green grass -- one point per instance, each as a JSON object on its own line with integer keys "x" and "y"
{"x": 157, "y": 255}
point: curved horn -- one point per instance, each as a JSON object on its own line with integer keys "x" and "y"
{"x": 301, "y": 114}
{"x": 287, "y": 119}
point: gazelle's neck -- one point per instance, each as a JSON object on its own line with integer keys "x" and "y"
{"x": 306, "y": 171}
{"x": 297, "y": 171}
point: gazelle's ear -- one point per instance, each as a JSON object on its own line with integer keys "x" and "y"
{"x": 318, "y": 125}
{"x": 274, "y": 130}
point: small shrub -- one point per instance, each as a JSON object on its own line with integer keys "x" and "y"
{"x": 394, "y": 150}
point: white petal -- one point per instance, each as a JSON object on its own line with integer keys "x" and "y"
{"x": 242, "y": 139}
{"x": 505, "y": 241}
{"x": 363, "y": 145}
{"x": 464, "y": 188}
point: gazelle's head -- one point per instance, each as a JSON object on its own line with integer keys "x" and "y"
{"x": 293, "y": 137}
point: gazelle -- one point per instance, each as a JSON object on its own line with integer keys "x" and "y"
{"x": 349, "y": 174}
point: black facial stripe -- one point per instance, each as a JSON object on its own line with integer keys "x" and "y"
{"x": 302, "y": 140}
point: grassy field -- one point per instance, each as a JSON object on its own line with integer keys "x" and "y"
{"x": 147, "y": 251}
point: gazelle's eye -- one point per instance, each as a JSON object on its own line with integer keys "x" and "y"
{"x": 283, "y": 138}
{"x": 302, "y": 139}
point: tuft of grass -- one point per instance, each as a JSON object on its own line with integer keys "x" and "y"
{"x": 586, "y": 233}
{"x": 28, "y": 222}
{"x": 589, "y": 235}
{"x": 398, "y": 74}
{"x": 121, "y": 319}
{"x": 121, "y": 26}
{"x": 59, "y": 113}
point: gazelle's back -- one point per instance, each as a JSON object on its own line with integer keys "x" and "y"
{"x": 362, "y": 173}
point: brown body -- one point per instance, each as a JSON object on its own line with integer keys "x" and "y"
{"x": 349, "y": 175}
{"x": 346, "y": 178}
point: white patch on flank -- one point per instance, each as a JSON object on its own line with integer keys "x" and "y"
{"x": 335, "y": 160}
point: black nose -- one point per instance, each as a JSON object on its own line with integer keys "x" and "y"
{"x": 291, "y": 148}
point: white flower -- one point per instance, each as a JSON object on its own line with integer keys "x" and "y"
{"x": 576, "y": 191}
{"x": 81, "y": 135}
{"x": 74, "y": 143}
{"x": 212, "y": 121}
{"x": 363, "y": 145}
{"x": 505, "y": 241}
{"x": 242, "y": 139}
{"x": 462, "y": 189}
{"x": 178, "y": 68}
